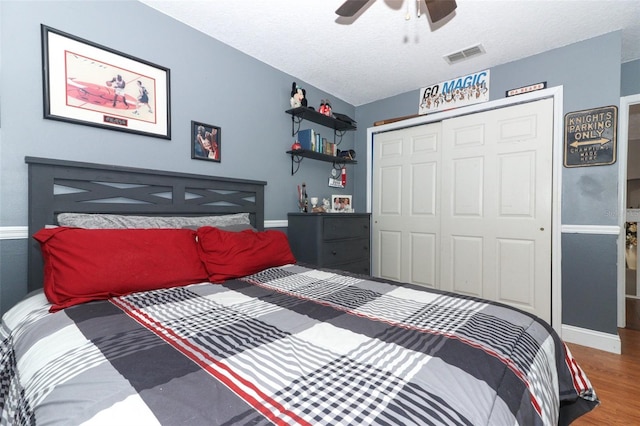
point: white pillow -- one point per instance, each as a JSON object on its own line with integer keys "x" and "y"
{"x": 113, "y": 221}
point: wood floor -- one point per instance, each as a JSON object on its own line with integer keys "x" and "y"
{"x": 616, "y": 380}
{"x": 633, "y": 313}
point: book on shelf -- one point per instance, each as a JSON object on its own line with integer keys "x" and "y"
{"x": 310, "y": 140}
{"x": 327, "y": 147}
{"x": 307, "y": 139}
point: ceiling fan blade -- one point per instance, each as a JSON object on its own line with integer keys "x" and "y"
{"x": 439, "y": 9}
{"x": 351, "y": 7}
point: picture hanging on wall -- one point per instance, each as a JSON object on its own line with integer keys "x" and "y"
{"x": 205, "y": 142}
{"x": 85, "y": 83}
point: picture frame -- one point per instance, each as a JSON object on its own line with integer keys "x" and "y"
{"x": 342, "y": 203}
{"x": 89, "y": 84}
{"x": 206, "y": 142}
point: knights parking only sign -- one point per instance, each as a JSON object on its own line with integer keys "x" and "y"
{"x": 590, "y": 137}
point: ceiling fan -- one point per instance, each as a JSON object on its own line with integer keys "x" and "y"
{"x": 437, "y": 9}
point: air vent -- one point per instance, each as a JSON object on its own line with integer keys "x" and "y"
{"x": 464, "y": 54}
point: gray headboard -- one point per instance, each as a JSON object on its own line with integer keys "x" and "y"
{"x": 58, "y": 186}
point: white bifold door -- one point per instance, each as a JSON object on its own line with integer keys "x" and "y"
{"x": 465, "y": 205}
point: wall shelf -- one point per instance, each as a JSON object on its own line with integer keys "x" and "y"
{"x": 298, "y": 154}
{"x": 304, "y": 113}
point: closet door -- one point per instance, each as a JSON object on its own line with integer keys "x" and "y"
{"x": 497, "y": 205}
{"x": 406, "y": 211}
{"x": 465, "y": 205}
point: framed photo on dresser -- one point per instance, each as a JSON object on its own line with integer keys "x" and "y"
{"x": 342, "y": 203}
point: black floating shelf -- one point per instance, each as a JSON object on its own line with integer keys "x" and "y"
{"x": 324, "y": 120}
{"x": 322, "y": 157}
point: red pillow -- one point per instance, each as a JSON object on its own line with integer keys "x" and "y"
{"x": 229, "y": 255}
{"x": 81, "y": 265}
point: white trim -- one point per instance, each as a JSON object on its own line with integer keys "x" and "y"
{"x": 591, "y": 229}
{"x": 623, "y": 144}
{"x": 13, "y": 232}
{"x": 558, "y": 119}
{"x": 276, "y": 223}
{"x": 21, "y": 232}
{"x": 591, "y": 338}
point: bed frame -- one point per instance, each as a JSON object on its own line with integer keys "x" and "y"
{"x": 58, "y": 186}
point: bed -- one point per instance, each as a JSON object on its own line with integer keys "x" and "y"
{"x": 251, "y": 342}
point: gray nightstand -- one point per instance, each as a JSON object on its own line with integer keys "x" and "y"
{"x": 332, "y": 240}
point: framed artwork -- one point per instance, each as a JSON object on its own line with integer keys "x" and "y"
{"x": 85, "y": 83}
{"x": 205, "y": 142}
{"x": 341, "y": 203}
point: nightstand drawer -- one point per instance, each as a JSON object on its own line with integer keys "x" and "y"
{"x": 337, "y": 252}
{"x": 343, "y": 226}
{"x": 331, "y": 240}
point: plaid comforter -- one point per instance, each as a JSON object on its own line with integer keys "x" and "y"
{"x": 288, "y": 345}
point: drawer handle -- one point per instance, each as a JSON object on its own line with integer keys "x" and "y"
{"x": 334, "y": 252}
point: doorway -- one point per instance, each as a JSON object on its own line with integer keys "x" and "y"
{"x": 628, "y": 273}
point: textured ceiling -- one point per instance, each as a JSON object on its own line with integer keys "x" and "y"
{"x": 380, "y": 53}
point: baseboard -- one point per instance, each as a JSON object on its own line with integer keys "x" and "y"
{"x": 591, "y": 338}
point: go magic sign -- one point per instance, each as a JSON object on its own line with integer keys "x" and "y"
{"x": 467, "y": 90}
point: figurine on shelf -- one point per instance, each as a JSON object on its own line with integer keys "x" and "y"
{"x": 315, "y": 208}
{"x": 298, "y": 96}
{"x": 348, "y": 154}
{"x": 303, "y": 199}
{"x": 325, "y": 107}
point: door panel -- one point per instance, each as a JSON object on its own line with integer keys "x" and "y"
{"x": 517, "y": 183}
{"x": 406, "y": 205}
{"x": 497, "y": 189}
{"x": 465, "y": 265}
{"x": 424, "y": 253}
{"x": 388, "y": 254}
{"x": 466, "y": 181}
{"x": 516, "y": 265}
{"x": 390, "y": 183}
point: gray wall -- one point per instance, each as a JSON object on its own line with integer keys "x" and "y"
{"x": 589, "y": 194}
{"x": 630, "y": 78}
{"x": 210, "y": 82}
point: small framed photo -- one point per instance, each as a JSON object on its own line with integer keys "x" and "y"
{"x": 93, "y": 85}
{"x": 205, "y": 142}
{"x": 341, "y": 203}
